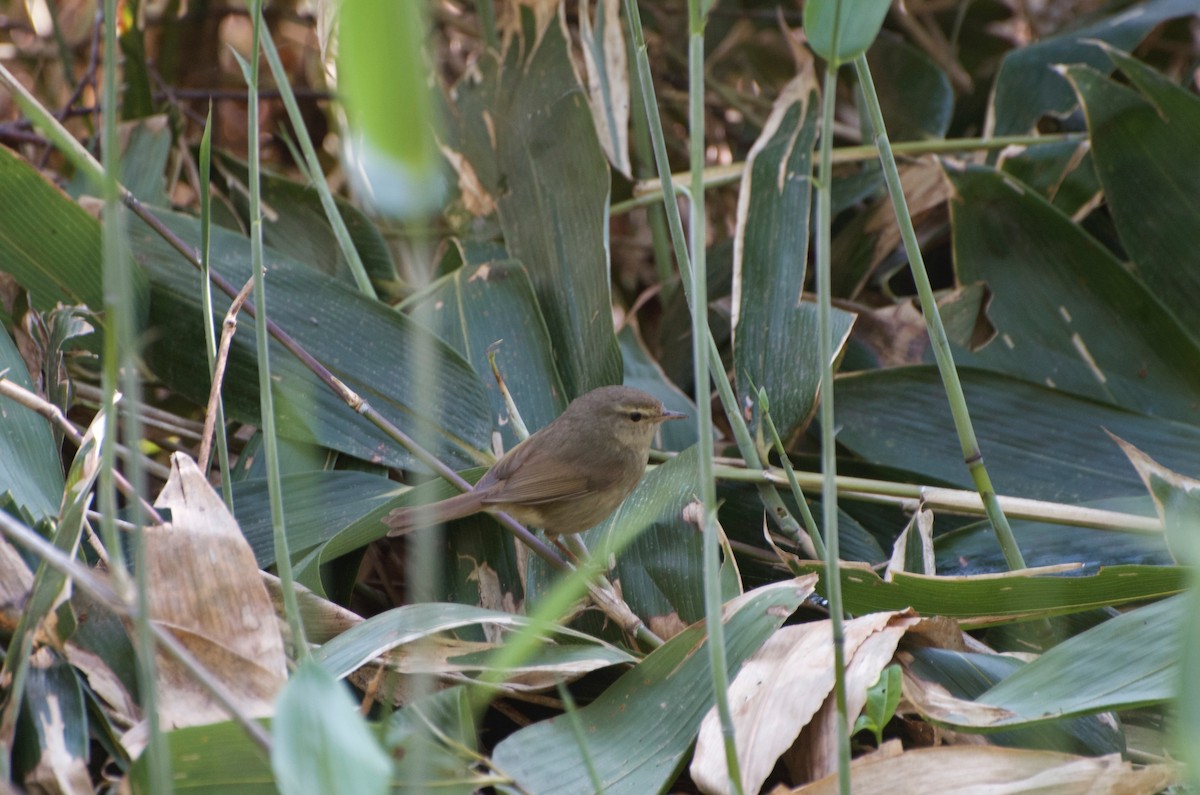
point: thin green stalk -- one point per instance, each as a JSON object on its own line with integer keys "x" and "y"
{"x": 745, "y": 442}
{"x": 487, "y": 23}
{"x": 580, "y": 736}
{"x": 707, "y": 488}
{"x": 656, "y": 217}
{"x": 120, "y": 370}
{"x": 823, "y": 247}
{"x": 972, "y": 455}
{"x": 283, "y": 557}
{"x": 316, "y": 176}
{"x": 210, "y": 322}
{"x": 797, "y": 493}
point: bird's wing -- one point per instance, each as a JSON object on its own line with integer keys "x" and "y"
{"x": 525, "y": 477}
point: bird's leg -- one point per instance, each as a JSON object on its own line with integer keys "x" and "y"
{"x": 557, "y": 541}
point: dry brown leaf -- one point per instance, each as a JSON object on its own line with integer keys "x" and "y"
{"x": 920, "y": 529}
{"x": 990, "y": 770}
{"x": 16, "y": 580}
{"x": 783, "y": 688}
{"x": 895, "y": 334}
{"x": 205, "y": 588}
{"x": 871, "y": 643}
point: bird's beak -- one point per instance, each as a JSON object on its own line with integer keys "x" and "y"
{"x": 667, "y": 414}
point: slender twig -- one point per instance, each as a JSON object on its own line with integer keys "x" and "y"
{"x": 650, "y": 191}
{"x": 228, "y": 327}
{"x": 51, "y": 412}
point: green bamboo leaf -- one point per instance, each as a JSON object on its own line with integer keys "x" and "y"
{"x": 604, "y": 57}
{"x": 50, "y": 244}
{"x": 1090, "y": 327}
{"x": 317, "y": 506}
{"x": 1129, "y": 661}
{"x": 320, "y": 743}
{"x": 529, "y": 137}
{"x": 858, "y": 24}
{"x": 1027, "y": 85}
{"x": 639, "y": 729}
{"x": 997, "y": 598}
{"x": 413, "y": 623}
{"x": 915, "y": 95}
{"x": 54, "y": 746}
{"x": 299, "y": 228}
{"x": 1059, "y": 450}
{"x": 31, "y": 478}
{"x": 774, "y": 332}
{"x": 967, "y": 675}
{"x": 363, "y": 342}
{"x": 973, "y": 549}
{"x": 1143, "y": 144}
{"x": 489, "y": 302}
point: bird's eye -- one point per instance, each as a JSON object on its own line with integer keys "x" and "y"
{"x": 636, "y": 416}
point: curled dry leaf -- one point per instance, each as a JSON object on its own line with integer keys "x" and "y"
{"x": 205, "y": 588}
{"x": 996, "y": 771}
{"x": 783, "y": 698}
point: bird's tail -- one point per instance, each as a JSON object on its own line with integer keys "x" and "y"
{"x": 404, "y": 520}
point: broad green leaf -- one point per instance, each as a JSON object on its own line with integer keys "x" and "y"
{"x": 1037, "y": 442}
{"x": 144, "y": 159}
{"x": 995, "y": 598}
{"x": 858, "y": 23}
{"x": 1177, "y": 502}
{"x": 604, "y": 56}
{"x": 639, "y": 729}
{"x": 915, "y": 95}
{"x": 1063, "y": 172}
{"x": 364, "y": 343}
{"x": 773, "y": 333}
{"x": 412, "y": 623}
{"x": 1066, "y": 312}
{"x": 319, "y": 741}
{"x": 316, "y": 507}
{"x": 31, "y": 478}
{"x": 1028, "y": 86}
{"x": 1129, "y": 661}
{"x": 1143, "y": 139}
{"x": 443, "y": 761}
{"x": 966, "y": 675}
{"x": 215, "y": 759}
{"x": 50, "y": 244}
{"x": 528, "y": 134}
{"x": 481, "y": 304}
{"x": 298, "y": 227}
{"x": 973, "y": 549}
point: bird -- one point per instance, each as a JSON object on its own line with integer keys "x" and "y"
{"x": 569, "y": 476}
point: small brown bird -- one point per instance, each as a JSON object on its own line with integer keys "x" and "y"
{"x": 567, "y": 477}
